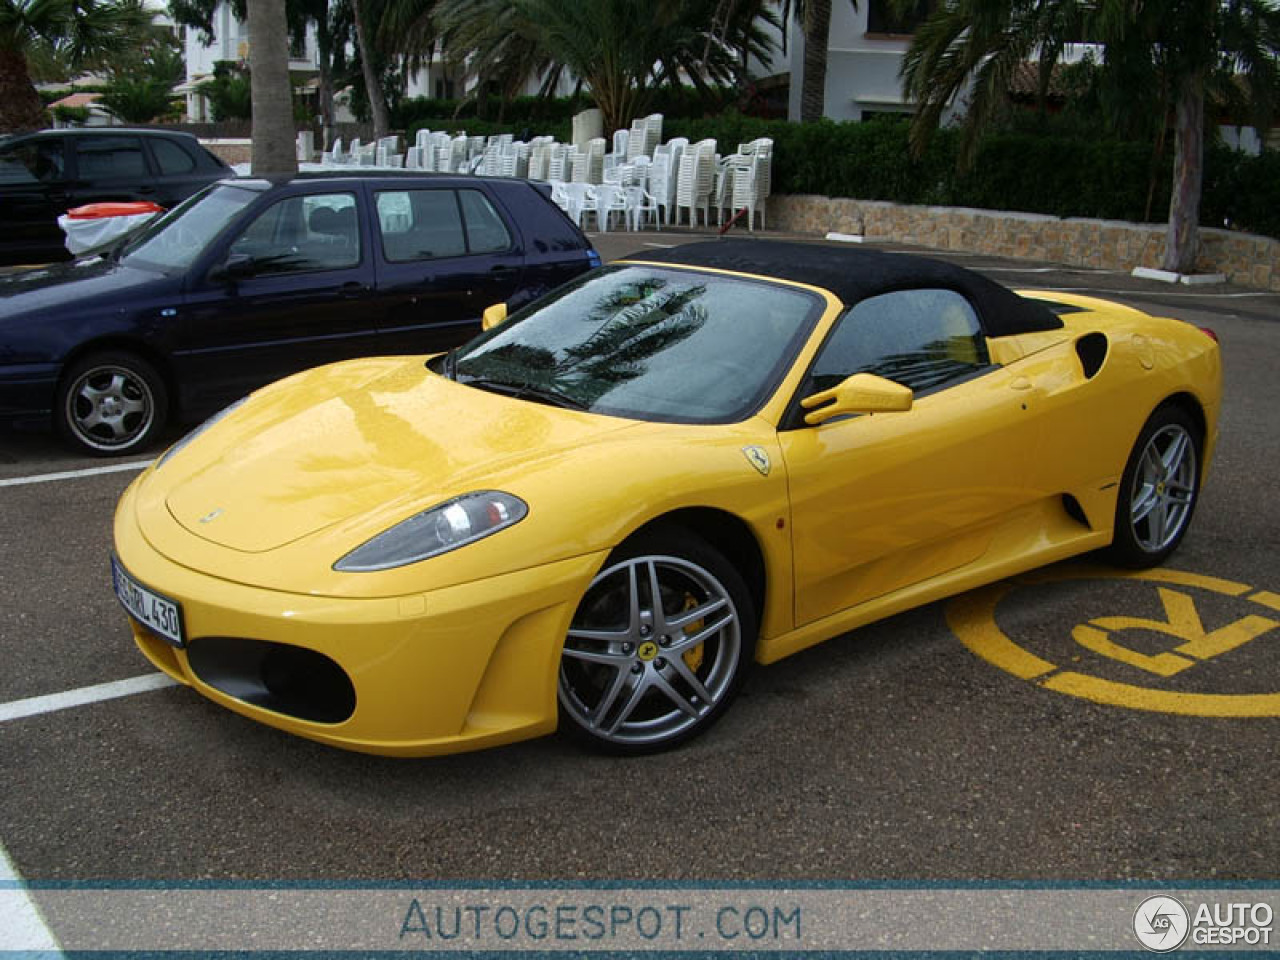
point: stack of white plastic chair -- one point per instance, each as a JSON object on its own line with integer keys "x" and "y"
{"x": 662, "y": 184}
{"x": 413, "y": 158}
{"x": 749, "y": 186}
{"x": 588, "y": 165}
{"x": 722, "y": 188}
{"x": 694, "y": 182}
{"x": 457, "y": 153}
{"x": 422, "y": 139}
{"x": 539, "y": 161}
{"x": 520, "y": 151}
{"x": 475, "y": 149}
{"x": 335, "y": 155}
{"x": 640, "y": 171}
{"x": 490, "y": 161}
{"x": 644, "y": 137}
{"x": 557, "y": 163}
{"x": 763, "y": 147}
{"x": 620, "y": 141}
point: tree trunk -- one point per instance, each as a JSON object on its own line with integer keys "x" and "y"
{"x": 324, "y": 49}
{"x": 273, "y": 135}
{"x": 817, "y": 25}
{"x": 1182, "y": 241}
{"x": 20, "y": 106}
{"x": 373, "y": 88}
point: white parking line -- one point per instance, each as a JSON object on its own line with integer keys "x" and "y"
{"x": 32, "y": 706}
{"x": 1139, "y": 294}
{"x": 21, "y": 926}
{"x": 75, "y": 474}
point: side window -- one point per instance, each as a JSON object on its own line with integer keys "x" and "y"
{"x": 32, "y": 162}
{"x": 103, "y": 158}
{"x": 486, "y": 233}
{"x": 171, "y": 158}
{"x": 923, "y": 339}
{"x": 420, "y": 224}
{"x": 303, "y": 234}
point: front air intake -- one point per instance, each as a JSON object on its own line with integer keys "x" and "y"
{"x": 275, "y": 676}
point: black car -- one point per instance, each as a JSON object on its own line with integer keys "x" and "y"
{"x": 254, "y": 279}
{"x": 45, "y": 174}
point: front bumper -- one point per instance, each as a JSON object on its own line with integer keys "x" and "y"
{"x": 456, "y": 669}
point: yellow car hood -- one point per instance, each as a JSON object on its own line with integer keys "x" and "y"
{"x": 377, "y": 437}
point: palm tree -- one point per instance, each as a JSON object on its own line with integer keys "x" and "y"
{"x": 1178, "y": 46}
{"x": 78, "y": 31}
{"x": 273, "y": 142}
{"x": 364, "y": 13}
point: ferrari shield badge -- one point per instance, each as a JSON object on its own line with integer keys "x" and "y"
{"x": 758, "y": 458}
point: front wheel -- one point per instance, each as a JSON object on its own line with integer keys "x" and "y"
{"x": 658, "y": 647}
{"x": 1159, "y": 489}
{"x": 111, "y": 404}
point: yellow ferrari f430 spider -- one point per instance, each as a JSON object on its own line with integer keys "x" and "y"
{"x": 599, "y": 512}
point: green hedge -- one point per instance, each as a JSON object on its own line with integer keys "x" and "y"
{"x": 1062, "y": 175}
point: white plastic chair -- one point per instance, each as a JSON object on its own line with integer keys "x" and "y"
{"x": 641, "y": 207}
{"x": 609, "y": 199}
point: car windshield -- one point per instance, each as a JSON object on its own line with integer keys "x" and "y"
{"x": 176, "y": 239}
{"x": 648, "y": 343}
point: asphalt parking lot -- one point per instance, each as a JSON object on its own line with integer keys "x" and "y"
{"x": 914, "y": 749}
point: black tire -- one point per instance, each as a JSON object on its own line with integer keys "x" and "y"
{"x": 110, "y": 404}
{"x": 1159, "y": 489}
{"x": 637, "y": 679}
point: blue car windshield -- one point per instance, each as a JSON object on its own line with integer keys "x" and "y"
{"x": 177, "y": 238}
{"x": 648, "y": 343}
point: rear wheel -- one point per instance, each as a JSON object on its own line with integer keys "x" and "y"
{"x": 1159, "y": 489}
{"x": 658, "y": 646}
{"x": 111, "y": 404}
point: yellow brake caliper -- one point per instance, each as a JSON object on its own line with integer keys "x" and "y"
{"x": 693, "y": 656}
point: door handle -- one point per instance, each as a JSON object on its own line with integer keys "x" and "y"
{"x": 352, "y": 289}
{"x": 1020, "y": 383}
{"x": 502, "y": 269}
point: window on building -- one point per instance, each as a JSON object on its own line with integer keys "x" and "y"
{"x": 883, "y": 19}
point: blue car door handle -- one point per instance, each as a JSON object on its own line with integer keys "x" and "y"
{"x": 352, "y": 289}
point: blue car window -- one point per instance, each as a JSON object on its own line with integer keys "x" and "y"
{"x": 420, "y": 225}
{"x": 486, "y": 233}
{"x": 31, "y": 162}
{"x": 105, "y": 158}
{"x": 303, "y": 234}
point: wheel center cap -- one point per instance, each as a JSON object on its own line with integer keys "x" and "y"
{"x": 647, "y": 650}
{"x": 110, "y": 407}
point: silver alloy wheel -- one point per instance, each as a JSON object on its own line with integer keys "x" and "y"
{"x": 109, "y": 407}
{"x": 652, "y": 650}
{"x": 1164, "y": 488}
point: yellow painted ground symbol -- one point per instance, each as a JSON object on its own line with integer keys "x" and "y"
{"x": 972, "y": 618}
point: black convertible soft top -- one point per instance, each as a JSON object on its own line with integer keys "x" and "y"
{"x": 853, "y": 274}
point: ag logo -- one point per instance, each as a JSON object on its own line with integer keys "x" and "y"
{"x": 1161, "y": 923}
{"x": 1178, "y": 661}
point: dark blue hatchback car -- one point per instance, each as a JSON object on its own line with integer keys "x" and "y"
{"x": 251, "y": 280}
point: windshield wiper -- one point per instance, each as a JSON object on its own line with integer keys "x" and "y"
{"x": 525, "y": 391}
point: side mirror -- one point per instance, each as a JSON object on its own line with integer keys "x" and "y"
{"x": 861, "y": 393}
{"x": 494, "y": 316}
{"x": 238, "y": 266}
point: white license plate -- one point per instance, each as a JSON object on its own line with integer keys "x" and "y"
{"x": 157, "y": 613}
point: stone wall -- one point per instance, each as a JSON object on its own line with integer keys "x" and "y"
{"x": 230, "y": 151}
{"x": 1110, "y": 244}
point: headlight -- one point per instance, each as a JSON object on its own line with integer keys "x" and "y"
{"x": 198, "y": 430}
{"x": 445, "y": 527}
